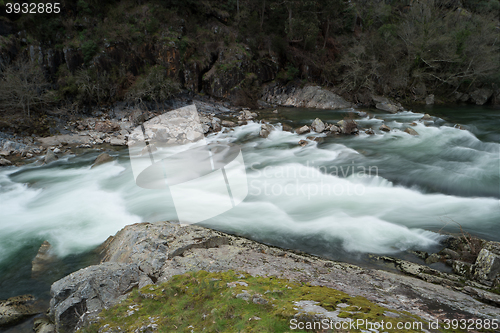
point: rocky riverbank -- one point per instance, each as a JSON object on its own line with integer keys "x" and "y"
{"x": 112, "y": 126}
{"x": 144, "y": 256}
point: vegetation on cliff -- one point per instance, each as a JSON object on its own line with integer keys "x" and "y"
{"x": 238, "y": 302}
{"x": 97, "y": 52}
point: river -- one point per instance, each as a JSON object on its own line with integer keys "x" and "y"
{"x": 340, "y": 198}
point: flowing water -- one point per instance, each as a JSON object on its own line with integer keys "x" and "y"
{"x": 340, "y": 198}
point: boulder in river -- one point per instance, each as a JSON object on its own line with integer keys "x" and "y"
{"x": 387, "y": 107}
{"x": 43, "y": 258}
{"x": 411, "y": 131}
{"x": 265, "y": 130}
{"x": 302, "y": 130}
{"x": 102, "y": 159}
{"x": 287, "y": 128}
{"x": 335, "y": 129}
{"x": 317, "y": 125}
{"x": 16, "y": 309}
{"x": 303, "y": 143}
{"x": 384, "y": 128}
{"x": 426, "y": 117}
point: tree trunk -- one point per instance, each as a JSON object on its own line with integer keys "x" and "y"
{"x": 326, "y": 33}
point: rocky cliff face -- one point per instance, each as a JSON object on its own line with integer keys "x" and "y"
{"x": 307, "y": 97}
{"x": 145, "y": 253}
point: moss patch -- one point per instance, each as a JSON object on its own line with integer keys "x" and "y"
{"x": 234, "y": 302}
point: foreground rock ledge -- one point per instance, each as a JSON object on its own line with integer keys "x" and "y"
{"x": 146, "y": 253}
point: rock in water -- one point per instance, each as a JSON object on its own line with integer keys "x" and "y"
{"x": 303, "y": 143}
{"x": 317, "y": 125}
{"x": 101, "y": 159}
{"x": 335, "y": 129}
{"x": 303, "y": 129}
{"x": 384, "y": 128}
{"x": 411, "y": 131}
{"x": 387, "y": 107}
{"x": 426, "y": 117}
{"x": 16, "y": 309}
{"x": 50, "y": 157}
{"x": 265, "y": 130}
{"x": 287, "y": 128}
{"x": 42, "y": 259}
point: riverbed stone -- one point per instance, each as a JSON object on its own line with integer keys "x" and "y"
{"x": 411, "y": 131}
{"x": 265, "y": 130}
{"x": 102, "y": 159}
{"x": 317, "y": 125}
{"x": 384, "y": 128}
{"x": 16, "y": 309}
{"x": 426, "y": 117}
{"x": 487, "y": 265}
{"x": 387, "y": 107}
{"x": 43, "y": 258}
{"x": 302, "y": 130}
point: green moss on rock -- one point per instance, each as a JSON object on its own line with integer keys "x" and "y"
{"x": 233, "y": 302}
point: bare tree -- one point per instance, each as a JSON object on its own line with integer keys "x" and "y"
{"x": 23, "y": 86}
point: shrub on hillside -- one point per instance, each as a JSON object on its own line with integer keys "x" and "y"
{"x": 155, "y": 86}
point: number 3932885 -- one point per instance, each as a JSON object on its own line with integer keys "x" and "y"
{"x": 33, "y": 8}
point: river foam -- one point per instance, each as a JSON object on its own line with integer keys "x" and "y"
{"x": 381, "y": 193}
